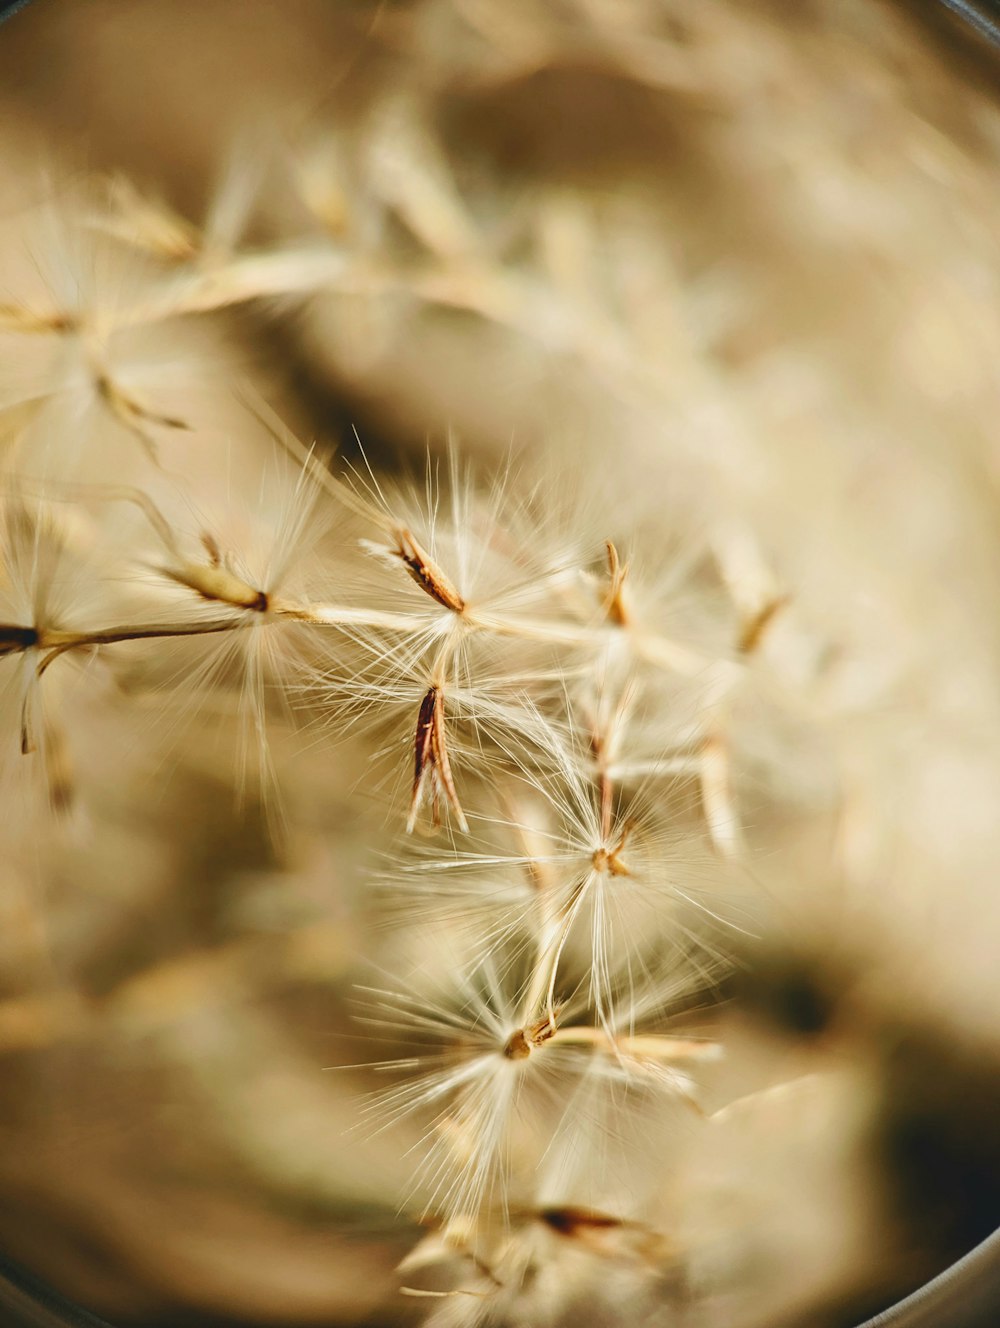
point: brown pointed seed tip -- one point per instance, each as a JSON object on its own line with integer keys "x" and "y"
{"x": 432, "y": 764}
{"x": 426, "y": 573}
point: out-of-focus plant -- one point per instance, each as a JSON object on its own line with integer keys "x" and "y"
{"x": 561, "y": 733}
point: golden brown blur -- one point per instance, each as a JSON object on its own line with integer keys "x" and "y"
{"x": 531, "y": 859}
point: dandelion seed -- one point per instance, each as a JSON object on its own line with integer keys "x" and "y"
{"x": 432, "y": 766}
{"x": 494, "y": 1071}
{"x": 218, "y": 584}
{"x": 614, "y": 603}
{"x": 427, "y": 574}
{"x": 53, "y": 577}
{"x": 619, "y": 883}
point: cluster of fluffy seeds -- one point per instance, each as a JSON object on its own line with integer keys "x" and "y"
{"x": 506, "y": 767}
{"x": 544, "y": 704}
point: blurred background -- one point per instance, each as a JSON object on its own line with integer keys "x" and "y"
{"x": 739, "y": 263}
